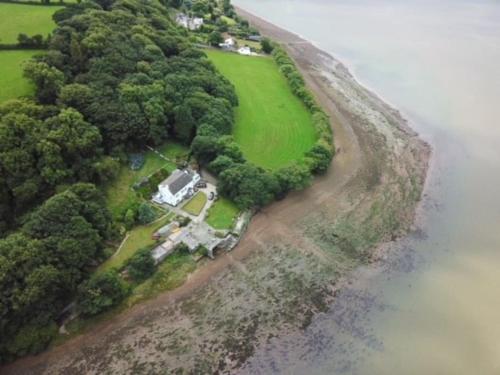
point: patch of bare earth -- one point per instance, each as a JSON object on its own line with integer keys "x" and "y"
{"x": 289, "y": 264}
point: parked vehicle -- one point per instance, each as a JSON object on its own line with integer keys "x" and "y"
{"x": 211, "y": 196}
{"x": 201, "y": 185}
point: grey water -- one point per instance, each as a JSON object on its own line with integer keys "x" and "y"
{"x": 434, "y": 306}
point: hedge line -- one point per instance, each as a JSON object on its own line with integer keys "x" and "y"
{"x": 38, "y": 3}
{"x": 323, "y": 147}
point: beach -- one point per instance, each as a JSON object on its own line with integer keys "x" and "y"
{"x": 295, "y": 256}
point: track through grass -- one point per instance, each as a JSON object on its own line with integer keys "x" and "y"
{"x": 273, "y": 126}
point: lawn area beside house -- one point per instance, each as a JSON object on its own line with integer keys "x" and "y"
{"x": 26, "y": 19}
{"x": 273, "y": 127}
{"x": 139, "y": 237}
{"x": 196, "y": 204}
{"x": 222, "y": 214}
{"x": 119, "y": 194}
{"x": 12, "y": 82}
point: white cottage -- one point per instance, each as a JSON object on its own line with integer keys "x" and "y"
{"x": 245, "y": 51}
{"x": 173, "y": 189}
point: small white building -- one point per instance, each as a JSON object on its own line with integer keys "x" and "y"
{"x": 175, "y": 188}
{"x": 245, "y": 51}
{"x": 229, "y": 43}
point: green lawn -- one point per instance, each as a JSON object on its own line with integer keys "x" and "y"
{"x": 228, "y": 20}
{"x": 196, "y": 204}
{"x": 222, "y": 214}
{"x": 273, "y": 127}
{"x": 139, "y": 237}
{"x": 26, "y": 19}
{"x": 12, "y": 82}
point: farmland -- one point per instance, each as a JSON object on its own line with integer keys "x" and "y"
{"x": 16, "y": 19}
{"x": 26, "y": 19}
{"x": 273, "y": 127}
{"x": 12, "y": 82}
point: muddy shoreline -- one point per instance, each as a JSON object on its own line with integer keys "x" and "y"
{"x": 293, "y": 257}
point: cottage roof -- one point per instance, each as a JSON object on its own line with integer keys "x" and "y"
{"x": 177, "y": 181}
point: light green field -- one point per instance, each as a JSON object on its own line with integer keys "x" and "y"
{"x": 222, "y": 214}
{"x": 26, "y": 19}
{"x": 12, "y": 82}
{"x": 196, "y": 204}
{"x": 273, "y": 127}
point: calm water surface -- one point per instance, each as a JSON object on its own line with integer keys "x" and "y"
{"x": 435, "y": 307}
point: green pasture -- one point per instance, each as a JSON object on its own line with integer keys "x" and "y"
{"x": 26, "y": 19}
{"x": 12, "y": 82}
{"x": 273, "y": 127}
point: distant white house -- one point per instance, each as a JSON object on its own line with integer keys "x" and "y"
{"x": 189, "y": 23}
{"x": 229, "y": 43}
{"x": 245, "y": 51}
{"x": 175, "y": 188}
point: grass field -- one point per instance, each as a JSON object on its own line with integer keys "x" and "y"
{"x": 273, "y": 127}
{"x": 26, "y": 19}
{"x": 12, "y": 82}
{"x": 196, "y": 204}
{"x": 222, "y": 214}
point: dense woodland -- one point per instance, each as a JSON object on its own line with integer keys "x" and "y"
{"x": 117, "y": 75}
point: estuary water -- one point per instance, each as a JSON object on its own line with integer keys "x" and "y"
{"x": 434, "y": 307}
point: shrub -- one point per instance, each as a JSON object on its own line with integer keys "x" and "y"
{"x": 145, "y": 214}
{"x": 267, "y": 46}
{"x": 101, "y": 292}
{"x": 141, "y": 265}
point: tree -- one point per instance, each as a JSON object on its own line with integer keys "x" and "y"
{"x": 295, "y": 177}
{"x": 141, "y": 265}
{"x": 103, "y": 291}
{"x": 145, "y": 214}
{"x": 47, "y": 79}
{"x": 247, "y": 185}
{"x": 319, "y": 158}
{"x": 215, "y": 38}
{"x": 267, "y": 46}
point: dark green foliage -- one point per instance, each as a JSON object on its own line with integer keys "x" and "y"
{"x": 141, "y": 265}
{"x": 36, "y": 41}
{"x": 41, "y": 265}
{"x": 295, "y": 177}
{"x": 145, "y": 214}
{"x": 41, "y": 148}
{"x": 247, "y": 185}
{"x": 214, "y": 38}
{"x": 103, "y": 291}
{"x": 267, "y": 46}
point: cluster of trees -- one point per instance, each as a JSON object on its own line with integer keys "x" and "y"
{"x": 42, "y": 264}
{"x": 35, "y": 41}
{"x": 116, "y": 75}
{"x": 43, "y": 148}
